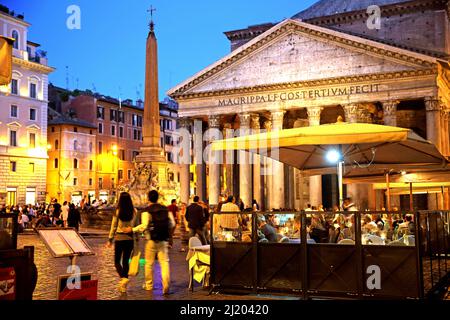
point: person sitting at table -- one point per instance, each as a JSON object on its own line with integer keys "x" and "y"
{"x": 270, "y": 233}
{"x": 230, "y": 222}
{"x": 368, "y": 226}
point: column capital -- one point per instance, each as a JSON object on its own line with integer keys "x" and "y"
{"x": 185, "y": 122}
{"x": 214, "y": 121}
{"x": 390, "y": 107}
{"x": 314, "y": 114}
{"x": 278, "y": 119}
{"x": 228, "y": 126}
{"x": 433, "y": 104}
{"x": 255, "y": 121}
{"x": 245, "y": 119}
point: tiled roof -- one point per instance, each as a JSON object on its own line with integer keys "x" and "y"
{"x": 325, "y": 8}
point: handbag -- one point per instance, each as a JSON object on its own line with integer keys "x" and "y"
{"x": 135, "y": 261}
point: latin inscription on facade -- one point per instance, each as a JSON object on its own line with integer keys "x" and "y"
{"x": 299, "y": 95}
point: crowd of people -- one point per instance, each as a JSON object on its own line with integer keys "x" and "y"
{"x": 333, "y": 226}
{"x": 44, "y": 215}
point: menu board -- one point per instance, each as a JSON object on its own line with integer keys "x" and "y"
{"x": 64, "y": 242}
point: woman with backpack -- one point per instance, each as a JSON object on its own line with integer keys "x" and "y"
{"x": 122, "y": 235}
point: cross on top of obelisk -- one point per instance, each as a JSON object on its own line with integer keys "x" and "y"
{"x": 152, "y": 24}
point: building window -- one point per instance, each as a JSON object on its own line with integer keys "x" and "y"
{"x": 75, "y": 145}
{"x": 113, "y": 130}
{"x": 100, "y": 147}
{"x": 100, "y": 128}
{"x": 13, "y": 138}
{"x": 113, "y": 115}
{"x": 14, "y": 112}
{"x": 100, "y": 183}
{"x": 56, "y": 163}
{"x": 33, "y": 114}
{"x": 56, "y": 144}
{"x": 30, "y": 196}
{"x": 90, "y": 146}
{"x": 120, "y": 132}
{"x": 13, "y": 166}
{"x": 91, "y": 165}
{"x": 120, "y": 173}
{"x": 121, "y": 116}
{"x": 129, "y": 174}
{"x": 32, "y": 140}
{"x": 14, "y": 86}
{"x": 31, "y": 167}
{"x": 75, "y": 181}
{"x": 101, "y": 113}
{"x": 90, "y": 181}
{"x": 113, "y": 184}
{"x": 134, "y": 120}
{"x": 33, "y": 92}
{"x": 15, "y": 36}
{"x": 122, "y": 154}
{"x": 53, "y": 129}
{"x": 75, "y": 163}
{"x": 75, "y": 129}
{"x": 134, "y": 155}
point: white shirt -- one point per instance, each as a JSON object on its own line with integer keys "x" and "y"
{"x": 64, "y": 212}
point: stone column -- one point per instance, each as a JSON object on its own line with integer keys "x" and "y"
{"x": 445, "y": 128}
{"x": 214, "y": 163}
{"x": 200, "y": 166}
{"x": 268, "y": 174}
{"x": 355, "y": 113}
{"x": 185, "y": 176}
{"x": 351, "y": 113}
{"x": 315, "y": 182}
{"x": 257, "y": 186}
{"x": 245, "y": 167}
{"x": 229, "y": 160}
{"x": 278, "y": 167}
{"x": 390, "y": 113}
{"x": 433, "y": 108}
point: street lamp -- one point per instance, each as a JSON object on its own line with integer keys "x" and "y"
{"x": 335, "y": 157}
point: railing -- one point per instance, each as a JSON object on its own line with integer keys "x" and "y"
{"x": 322, "y": 254}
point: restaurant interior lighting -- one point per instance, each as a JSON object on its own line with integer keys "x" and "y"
{"x": 333, "y": 156}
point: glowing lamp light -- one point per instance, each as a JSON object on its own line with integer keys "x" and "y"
{"x": 114, "y": 149}
{"x": 49, "y": 147}
{"x": 333, "y": 156}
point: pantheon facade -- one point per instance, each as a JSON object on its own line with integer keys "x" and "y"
{"x": 324, "y": 62}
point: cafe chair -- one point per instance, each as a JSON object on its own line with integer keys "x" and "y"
{"x": 397, "y": 243}
{"x": 284, "y": 240}
{"x": 199, "y": 263}
{"x": 347, "y": 241}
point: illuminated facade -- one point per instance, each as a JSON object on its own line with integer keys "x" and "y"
{"x": 324, "y": 62}
{"x": 116, "y": 139}
{"x": 23, "y": 118}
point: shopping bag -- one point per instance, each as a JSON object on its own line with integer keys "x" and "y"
{"x": 134, "y": 263}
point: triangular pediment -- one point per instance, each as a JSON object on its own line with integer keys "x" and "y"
{"x": 293, "y": 52}
{"x": 33, "y": 127}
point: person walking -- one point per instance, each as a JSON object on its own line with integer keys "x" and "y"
{"x": 122, "y": 237}
{"x": 195, "y": 217}
{"x": 74, "y": 217}
{"x": 65, "y": 213}
{"x": 156, "y": 222}
{"x": 173, "y": 209}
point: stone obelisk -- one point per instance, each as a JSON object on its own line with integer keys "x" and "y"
{"x": 151, "y": 167}
{"x": 151, "y": 150}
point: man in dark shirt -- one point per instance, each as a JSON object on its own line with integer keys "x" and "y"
{"x": 196, "y": 220}
{"x": 269, "y": 232}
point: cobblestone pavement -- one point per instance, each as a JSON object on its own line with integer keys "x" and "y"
{"x": 102, "y": 267}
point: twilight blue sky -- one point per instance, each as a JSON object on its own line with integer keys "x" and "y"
{"x": 108, "y": 53}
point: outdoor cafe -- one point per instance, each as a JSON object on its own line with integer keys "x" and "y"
{"x": 342, "y": 254}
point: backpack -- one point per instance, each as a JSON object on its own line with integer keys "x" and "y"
{"x": 159, "y": 225}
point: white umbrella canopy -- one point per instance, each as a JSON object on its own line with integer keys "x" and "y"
{"x": 363, "y": 148}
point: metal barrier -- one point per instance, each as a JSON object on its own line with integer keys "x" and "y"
{"x": 342, "y": 260}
